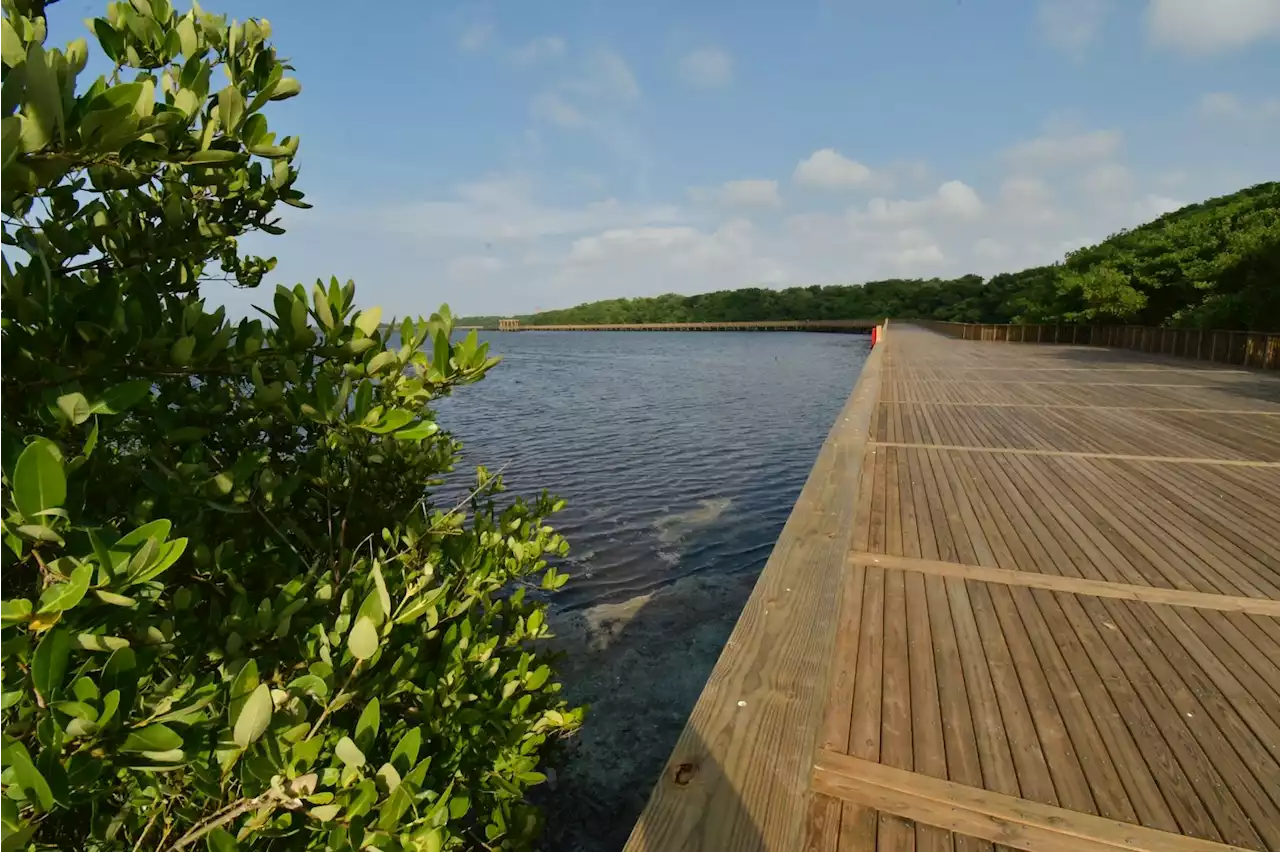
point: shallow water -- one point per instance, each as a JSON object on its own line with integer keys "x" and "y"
{"x": 678, "y": 453}
{"x": 680, "y": 456}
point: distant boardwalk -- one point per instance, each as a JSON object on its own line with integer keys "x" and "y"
{"x": 1030, "y": 595}
{"x": 758, "y": 325}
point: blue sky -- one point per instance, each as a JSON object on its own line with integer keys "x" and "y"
{"x": 511, "y": 156}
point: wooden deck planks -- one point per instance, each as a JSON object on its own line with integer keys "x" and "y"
{"x": 1039, "y": 608}
{"x": 1077, "y": 605}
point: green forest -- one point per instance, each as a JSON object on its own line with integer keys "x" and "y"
{"x": 1209, "y": 265}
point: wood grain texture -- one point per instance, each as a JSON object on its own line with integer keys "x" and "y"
{"x": 1024, "y": 451}
{"x": 1019, "y": 823}
{"x": 1076, "y": 585}
{"x": 738, "y": 777}
{"x": 1067, "y": 598}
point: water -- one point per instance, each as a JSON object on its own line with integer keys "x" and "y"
{"x": 678, "y": 453}
{"x": 680, "y": 456}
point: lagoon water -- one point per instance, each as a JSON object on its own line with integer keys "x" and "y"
{"x": 678, "y": 453}
{"x": 680, "y": 456}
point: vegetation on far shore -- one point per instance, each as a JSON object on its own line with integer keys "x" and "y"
{"x": 1209, "y": 265}
{"x": 236, "y": 613}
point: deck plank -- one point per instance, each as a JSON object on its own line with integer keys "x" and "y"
{"x": 1053, "y": 618}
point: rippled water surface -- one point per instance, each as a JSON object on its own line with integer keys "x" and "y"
{"x": 678, "y": 453}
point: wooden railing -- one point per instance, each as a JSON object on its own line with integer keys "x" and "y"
{"x": 1243, "y": 348}
{"x": 753, "y": 325}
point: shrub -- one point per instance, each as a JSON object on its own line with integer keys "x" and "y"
{"x": 233, "y": 615}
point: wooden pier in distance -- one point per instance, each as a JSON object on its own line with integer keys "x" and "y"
{"x": 1029, "y": 598}
{"x": 845, "y": 326}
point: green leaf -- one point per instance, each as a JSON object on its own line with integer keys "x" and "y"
{"x": 419, "y": 605}
{"x": 286, "y": 88}
{"x": 391, "y": 421}
{"x": 380, "y": 587}
{"x": 242, "y": 686}
{"x": 440, "y": 359}
{"x": 64, "y": 596}
{"x": 118, "y": 399}
{"x": 11, "y": 133}
{"x": 364, "y": 401}
{"x": 114, "y": 599}
{"x": 91, "y": 440}
{"x": 182, "y": 350}
{"x": 535, "y": 679}
{"x": 75, "y": 407}
{"x": 405, "y": 755}
{"x": 17, "y": 837}
{"x": 76, "y": 709}
{"x": 49, "y": 663}
{"x": 349, "y": 753}
{"x": 325, "y": 813}
{"x": 95, "y": 642}
{"x": 230, "y": 108}
{"x": 394, "y": 807}
{"x": 38, "y": 480}
{"x": 311, "y": 685}
{"x": 363, "y": 639}
{"x": 254, "y": 718}
{"x": 188, "y": 102}
{"x": 11, "y": 46}
{"x": 110, "y": 703}
{"x": 367, "y": 725}
{"x": 323, "y": 310}
{"x": 169, "y": 553}
{"x": 418, "y": 431}
{"x": 158, "y": 530}
{"x": 15, "y": 611}
{"x": 43, "y": 102}
{"x": 187, "y": 36}
{"x": 27, "y": 777}
{"x": 367, "y": 321}
{"x": 152, "y": 738}
{"x": 377, "y": 362}
{"x": 213, "y": 157}
{"x": 221, "y": 840}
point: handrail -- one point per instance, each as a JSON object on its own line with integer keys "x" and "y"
{"x": 1242, "y": 348}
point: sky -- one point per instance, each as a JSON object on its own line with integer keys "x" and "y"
{"x": 507, "y": 157}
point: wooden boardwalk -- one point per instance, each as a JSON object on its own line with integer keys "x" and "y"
{"x": 1028, "y": 599}
{"x": 839, "y": 326}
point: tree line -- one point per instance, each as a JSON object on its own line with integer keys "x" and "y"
{"x": 1209, "y": 265}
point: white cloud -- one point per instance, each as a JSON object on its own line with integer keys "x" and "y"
{"x": 829, "y": 169}
{"x": 607, "y": 75}
{"x": 475, "y": 36}
{"x": 954, "y": 200}
{"x": 1054, "y": 150}
{"x": 707, "y": 68}
{"x": 1202, "y": 27}
{"x": 1225, "y": 105}
{"x": 1108, "y": 180}
{"x": 502, "y": 209}
{"x": 1154, "y": 206}
{"x": 1071, "y": 25}
{"x": 740, "y": 193}
{"x": 990, "y": 249}
{"x": 651, "y": 260}
{"x": 592, "y": 100}
{"x": 1026, "y": 200}
{"x": 552, "y": 107}
{"x": 538, "y": 50}
{"x": 473, "y": 268}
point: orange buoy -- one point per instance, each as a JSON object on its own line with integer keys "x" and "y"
{"x": 875, "y": 334}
